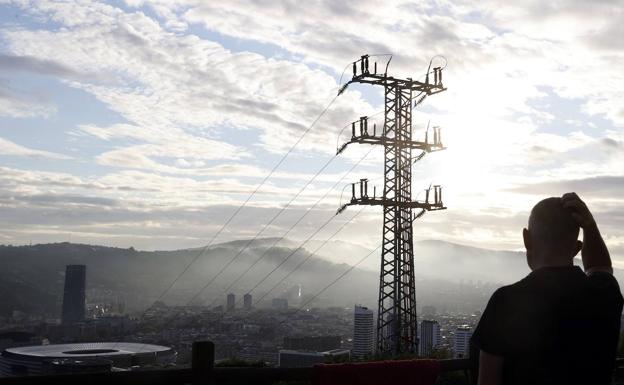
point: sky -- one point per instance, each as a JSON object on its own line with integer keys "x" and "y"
{"x": 149, "y": 123}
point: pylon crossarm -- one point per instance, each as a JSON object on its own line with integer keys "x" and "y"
{"x": 404, "y": 84}
{"x": 415, "y": 145}
{"x": 380, "y": 201}
{"x": 389, "y": 81}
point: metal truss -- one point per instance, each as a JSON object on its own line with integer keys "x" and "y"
{"x": 396, "y": 316}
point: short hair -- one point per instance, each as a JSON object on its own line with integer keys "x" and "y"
{"x": 552, "y": 225}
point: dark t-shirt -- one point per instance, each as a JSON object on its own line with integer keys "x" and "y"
{"x": 555, "y": 326}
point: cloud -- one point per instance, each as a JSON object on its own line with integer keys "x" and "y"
{"x": 201, "y": 120}
{"x": 601, "y": 186}
{"x": 23, "y": 103}
{"x": 35, "y": 65}
{"x": 179, "y": 81}
{"x": 9, "y": 148}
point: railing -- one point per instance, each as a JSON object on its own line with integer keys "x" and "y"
{"x": 202, "y": 371}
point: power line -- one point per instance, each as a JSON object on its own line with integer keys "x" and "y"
{"x": 238, "y": 210}
{"x": 350, "y": 269}
{"x": 301, "y": 218}
{"x": 306, "y": 258}
{"x": 339, "y": 277}
{"x": 266, "y": 225}
{"x": 308, "y": 211}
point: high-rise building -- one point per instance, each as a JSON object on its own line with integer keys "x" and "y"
{"x": 461, "y": 346}
{"x": 430, "y": 337}
{"x": 363, "y": 332}
{"x": 74, "y": 294}
{"x": 247, "y": 301}
{"x": 231, "y": 302}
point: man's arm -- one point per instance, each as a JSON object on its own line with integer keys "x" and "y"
{"x": 490, "y": 369}
{"x": 594, "y": 253}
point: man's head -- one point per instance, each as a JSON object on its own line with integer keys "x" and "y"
{"x": 552, "y": 236}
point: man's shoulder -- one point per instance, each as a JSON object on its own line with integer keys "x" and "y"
{"x": 501, "y": 294}
{"x": 514, "y": 288}
{"x": 508, "y": 293}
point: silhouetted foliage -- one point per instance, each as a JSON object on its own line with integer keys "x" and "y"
{"x": 240, "y": 363}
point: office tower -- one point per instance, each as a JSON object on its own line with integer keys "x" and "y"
{"x": 74, "y": 294}
{"x": 363, "y": 332}
{"x": 430, "y": 337}
{"x": 461, "y": 346}
{"x": 247, "y": 301}
{"x": 231, "y": 302}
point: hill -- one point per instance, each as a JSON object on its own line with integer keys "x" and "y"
{"x": 450, "y": 276}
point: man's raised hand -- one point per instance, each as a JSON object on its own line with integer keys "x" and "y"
{"x": 580, "y": 212}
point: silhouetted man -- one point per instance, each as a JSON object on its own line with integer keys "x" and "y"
{"x": 558, "y": 325}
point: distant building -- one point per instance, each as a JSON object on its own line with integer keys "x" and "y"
{"x": 81, "y": 358}
{"x": 231, "y": 302}
{"x": 313, "y": 343}
{"x": 363, "y": 332}
{"x": 247, "y": 301}
{"x": 430, "y": 337}
{"x": 302, "y": 359}
{"x": 279, "y": 303}
{"x": 461, "y": 345}
{"x": 74, "y": 308}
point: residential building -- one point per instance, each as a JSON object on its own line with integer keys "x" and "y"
{"x": 247, "y": 301}
{"x": 363, "y": 332}
{"x": 231, "y": 302}
{"x": 461, "y": 345}
{"x": 430, "y": 337}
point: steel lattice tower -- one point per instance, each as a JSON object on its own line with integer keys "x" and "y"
{"x": 396, "y": 317}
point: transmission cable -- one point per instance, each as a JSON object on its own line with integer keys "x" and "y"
{"x": 306, "y": 258}
{"x": 308, "y": 211}
{"x": 266, "y": 225}
{"x": 292, "y": 253}
{"x": 338, "y": 278}
{"x": 238, "y": 210}
{"x": 240, "y": 207}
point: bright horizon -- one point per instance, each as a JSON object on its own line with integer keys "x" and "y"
{"x": 147, "y": 123}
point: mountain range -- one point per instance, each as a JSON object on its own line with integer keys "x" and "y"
{"x": 449, "y": 276}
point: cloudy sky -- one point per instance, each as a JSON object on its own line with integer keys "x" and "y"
{"x": 147, "y": 123}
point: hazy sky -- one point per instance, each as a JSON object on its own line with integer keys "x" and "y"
{"x": 146, "y": 123}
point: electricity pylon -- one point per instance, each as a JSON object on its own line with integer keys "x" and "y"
{"x": 396, "y": 316}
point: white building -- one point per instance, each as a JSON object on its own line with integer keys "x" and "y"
{"x": 430, "y": 337}
{"x": 461, "y": 345}
{"x": 363, "y": 332}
